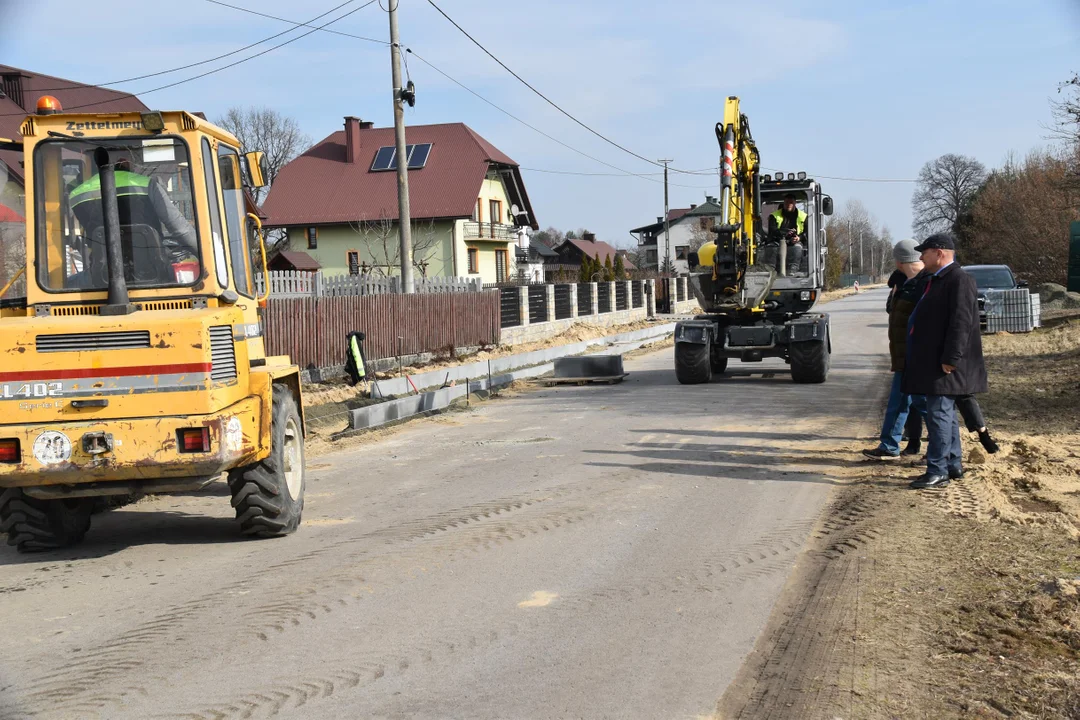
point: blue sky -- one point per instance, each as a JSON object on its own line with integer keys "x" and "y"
{"x": 841, "y": 88}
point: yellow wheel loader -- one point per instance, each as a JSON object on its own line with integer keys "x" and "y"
{"x": 134, "y": 361}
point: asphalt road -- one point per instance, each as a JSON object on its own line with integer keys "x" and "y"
{"x": 609, "y": 551}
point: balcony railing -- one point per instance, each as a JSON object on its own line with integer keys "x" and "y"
{"x": 490, "y": 231}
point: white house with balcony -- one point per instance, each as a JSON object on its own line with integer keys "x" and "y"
{"x": 338, "y": 203}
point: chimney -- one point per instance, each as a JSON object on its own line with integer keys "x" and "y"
{"x": 352, "y": 138}
{"x": 589, "y": 237}
{"x": 693, "y": 205}
{"x": 659, "y": 219}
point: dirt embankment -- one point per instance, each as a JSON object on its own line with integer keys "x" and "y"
{"x": 957, "y": 603}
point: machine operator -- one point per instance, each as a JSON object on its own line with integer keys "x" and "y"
{"x": 788, "y": 225}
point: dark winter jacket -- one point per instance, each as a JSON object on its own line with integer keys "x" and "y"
{"x": 896, "y": 281}
{"x": 905, "y": 297}
{"x": 944, "y": 330}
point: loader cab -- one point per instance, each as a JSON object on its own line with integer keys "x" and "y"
{"x": 182, "y": 208}
{"x": 810, "y": 275}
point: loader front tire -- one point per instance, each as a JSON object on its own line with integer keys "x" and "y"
{"x": 269, "y": 495}
{"x": 719, "y": 363}
{"x": 693, "y": 364}
{"x": 809, "y": 361}
{"x": 34, "y": 525}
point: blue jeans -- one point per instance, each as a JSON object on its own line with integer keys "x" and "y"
{"x": 896, "y": 414}
{"x": 943, "y": 429}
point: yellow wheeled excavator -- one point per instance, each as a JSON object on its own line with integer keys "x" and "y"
{"x": 759, "y": 280}
{"x": 133, "y": 361}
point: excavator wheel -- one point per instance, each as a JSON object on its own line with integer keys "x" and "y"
{"x": 809, "y": 361}
{"x": 269, "y": 495}
{"x": 693, "y": 363}
{"x": 34, "y": 525}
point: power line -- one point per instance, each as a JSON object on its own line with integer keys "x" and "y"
{"x": 621, "y": 172}
{"x": 201, "y": 62}
{"x": 230, "y": 65}
{"x": 546, "y": 99}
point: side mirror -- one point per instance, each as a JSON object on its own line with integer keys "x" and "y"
{"x": 257, "y": 169}
{"x": 1021, "y": 283}
{"x": 826, "y": 205}
{"x": 692, "y": 260}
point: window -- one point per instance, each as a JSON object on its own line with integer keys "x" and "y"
{"x": 501, "y": 265}
{"x": 681, "y": 251}
{"x": 386, "y": 158}
{"x": 220, "y": 263}
{"x": 474, "y": 261}
{"x": 236, "y": 222}
{"x": 313, "y": 238}
{"x": 705, "y": 223}
{"x": 495, "y": 206}
{"x": 353, "y": 258}
{"x": 155, "y": 205}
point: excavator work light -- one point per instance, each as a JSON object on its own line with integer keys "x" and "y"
{"x": 153, "y": 121}
{"x": 48, "y": 105}
{"x": 767, "y": 178}
{"x": 802, "y": 176}
{"x": 779, "y": 176}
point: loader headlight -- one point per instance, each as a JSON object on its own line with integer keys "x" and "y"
{"x": 804, "y": 295}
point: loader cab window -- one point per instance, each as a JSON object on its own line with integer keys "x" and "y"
{"x": 776, "y": 231}
{"x": 236, "y": 222}
{"x": 12, "y": 240}
{"x": 158, "y": 236}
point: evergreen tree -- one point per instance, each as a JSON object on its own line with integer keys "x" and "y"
{"x": 620, "y": 268}
{"x": 609, "y": 272}
{"x": 586, "y": 270}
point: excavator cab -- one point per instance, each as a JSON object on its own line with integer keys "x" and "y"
{"x": 134, "y": 360}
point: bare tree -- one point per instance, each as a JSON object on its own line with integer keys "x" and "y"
{"x": 701, "y": 232}
{"x": 380, "y": 245}
{"x": 943, "y": 192}
{"x": 1067, "y": 110}
{"x": 265, "y": 129}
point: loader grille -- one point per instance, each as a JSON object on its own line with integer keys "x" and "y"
{"x": 222, "y": 354}
{"x": 78, "y": 342}
{"x": 72, "y": 310}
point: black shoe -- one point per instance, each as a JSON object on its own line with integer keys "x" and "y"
{"x": 930, "y": 482}
{"x": 988, "y": 442}
{"x": 956, "y": 474}
{"x": 913, "y": 448}
{"x": 879, "y": 454}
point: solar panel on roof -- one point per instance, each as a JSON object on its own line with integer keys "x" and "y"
{"x": 384, "y": 159}
{"x": 418, "y": 155}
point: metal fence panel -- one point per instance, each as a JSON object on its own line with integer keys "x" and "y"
{"x": 620, "y": 296}
{"x": 563, "y": 309}
{"x": 510, "y": 306}
{"x": 637, "y": 294}
{"x": 584, "y": 299}
{"x": 538, "y": 309}
{"x": 603, "y": 297}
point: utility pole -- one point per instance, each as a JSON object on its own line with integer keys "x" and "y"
{"x": 667, "y": 226}
{"x": 862, "y": 270}
{"x": 404, "y": 216}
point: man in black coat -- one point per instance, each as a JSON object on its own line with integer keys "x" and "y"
{"x": 944, "y": 356}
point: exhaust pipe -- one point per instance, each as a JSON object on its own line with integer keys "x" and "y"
{"x": 118, "y": 303}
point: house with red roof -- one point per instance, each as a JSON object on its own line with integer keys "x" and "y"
{"x": 572, "y": 251}
{"x": 338, "y": 202}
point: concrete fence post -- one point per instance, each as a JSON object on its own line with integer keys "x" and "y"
{"x": 685, "y": 292}
{"x": 595, "y": 309}
{"x": 550, "y": 292}
{"x": 523, "y": 303}
{"x": 650, "y": 297}
{"x": 611, "y": 296}
{"x": 573, "y": 300}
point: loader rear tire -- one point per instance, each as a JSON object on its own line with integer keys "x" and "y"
{"x": 269, "y": 495}
{"x": 809, "y": 361}
{"x": 34, "y": 525}
{"x": 719, "y": 363}
{"x": 693, "y": 364}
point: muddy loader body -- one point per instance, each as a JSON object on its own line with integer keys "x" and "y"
{"x": 756, "y": 286}
{"x": 133, "y": 361}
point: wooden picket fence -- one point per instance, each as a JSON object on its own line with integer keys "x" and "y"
{"x": 311, "y": 330}
{"x": 296, "y": 284}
